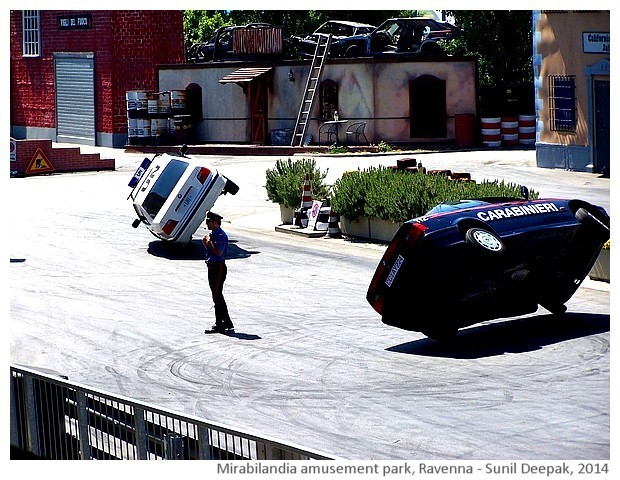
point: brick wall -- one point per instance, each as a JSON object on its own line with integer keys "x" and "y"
{"x": 59, "y": 160}
{"x": 128, "y": 46}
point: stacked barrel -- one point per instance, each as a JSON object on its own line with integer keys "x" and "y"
{"x": 527, "y": 129}
{"x": 510, "y": 130}
{"x": 181, "y": 123}
{"x": 490, "y": 131}
{"x": 155, "y": 118}
{"x": 137, "y": 117}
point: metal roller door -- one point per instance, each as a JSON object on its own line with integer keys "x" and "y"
{"x": 75, "y": 97}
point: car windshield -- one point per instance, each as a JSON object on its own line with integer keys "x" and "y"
{"x": 163, "y": 187}
{"x": 452, "y": 206}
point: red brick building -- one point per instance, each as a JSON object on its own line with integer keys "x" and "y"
{"x": 70, "y": 70}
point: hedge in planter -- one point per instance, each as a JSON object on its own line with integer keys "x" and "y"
{"x": 285, "y": 182}
{"x": 399, "y": 195}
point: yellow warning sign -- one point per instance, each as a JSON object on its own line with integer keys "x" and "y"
{"x": 39, "y": 163}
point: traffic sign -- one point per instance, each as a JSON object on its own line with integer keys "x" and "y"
{"x": 39, "y": 163}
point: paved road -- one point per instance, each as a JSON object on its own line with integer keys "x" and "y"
{"x": 310, "y": 361}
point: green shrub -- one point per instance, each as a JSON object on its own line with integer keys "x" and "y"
{"x": 285, "y": 182}
{"x": 398, "y": 195}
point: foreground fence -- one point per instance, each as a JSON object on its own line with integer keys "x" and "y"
{"x": 54, "y": 418}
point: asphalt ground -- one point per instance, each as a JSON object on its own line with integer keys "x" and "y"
{"x": 310, "y": 362}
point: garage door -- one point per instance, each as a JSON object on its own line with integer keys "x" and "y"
{"x": 75, "y": 97}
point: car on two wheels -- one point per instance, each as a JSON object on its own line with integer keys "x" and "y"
{"x": 475, "y": 260}
{"x": 171, "y": 195}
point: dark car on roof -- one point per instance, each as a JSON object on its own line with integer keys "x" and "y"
{"x": 477, "y": 260}
{"x": 414, "y": 35}
{"x": 220, "y": 45}
{"x": 349, "y": 39}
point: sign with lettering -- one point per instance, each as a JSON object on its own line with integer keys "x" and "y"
{"x": 74, "y": 22}
{"x": 595, "y": 42}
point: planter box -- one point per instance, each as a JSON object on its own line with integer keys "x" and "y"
{"x": 371, "y": 228}
{"x": 383, "y": 230}
{"x": 359, "y": 228}
{"x": 286, "y": 214}
{"x": 600, "y": 269}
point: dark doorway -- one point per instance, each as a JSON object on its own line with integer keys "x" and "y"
{"x": 601, "y": 127}
{"x": 427, "y": 101}
{"x": 258, "y": 110}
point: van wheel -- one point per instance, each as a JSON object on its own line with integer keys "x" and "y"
{"x": 484, "y": 239}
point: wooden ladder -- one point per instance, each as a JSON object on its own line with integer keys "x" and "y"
{"x": 312, "y": 85}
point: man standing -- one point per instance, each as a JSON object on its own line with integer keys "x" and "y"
{"x": 216, "y": 244}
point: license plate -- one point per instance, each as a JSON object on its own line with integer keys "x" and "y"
{"x": 395, "y": 268}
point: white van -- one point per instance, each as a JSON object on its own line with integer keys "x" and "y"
{"x": 172, "y": 194}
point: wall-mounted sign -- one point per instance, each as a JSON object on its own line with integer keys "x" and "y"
{"x": 595, "y": 42}
{"x": 75, "y": 22}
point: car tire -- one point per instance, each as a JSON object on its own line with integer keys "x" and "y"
{"x": 230, "y": 187}
{"x": 590, "y": 221}
{"x": 352, "y": 51}
{"x": 445, "y": 336}
{"x": 430, "y": 49}
{"x": 485, "y": 240}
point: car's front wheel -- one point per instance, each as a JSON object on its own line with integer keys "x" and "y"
{"x": 485, "y": 240}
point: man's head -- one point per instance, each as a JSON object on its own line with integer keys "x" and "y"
{"x": 213, "y": 220}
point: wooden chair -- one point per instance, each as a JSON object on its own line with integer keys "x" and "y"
{"x": 355, "y": 131}
{"x": 330, "y": 131}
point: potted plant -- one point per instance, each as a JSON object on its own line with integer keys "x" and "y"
{"x": 285, "y": 183}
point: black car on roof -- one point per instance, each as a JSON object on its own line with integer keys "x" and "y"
{"x": 220, "y": 45}
{"x": 412, "y": 35}
{"x": 482, "y": 259}
{"x": 349, "y": 39}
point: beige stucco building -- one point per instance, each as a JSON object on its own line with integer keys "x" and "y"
{"x": 402, "y": 99}
{"x": 572, "y": 89}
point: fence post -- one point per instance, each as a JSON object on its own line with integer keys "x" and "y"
{"x": 31, "y": 417}
{"x": 141, "y": 438}
{"x": 204, "y": 443}
{"x": 14, "y": 421}
{"x": 82, "y": 413}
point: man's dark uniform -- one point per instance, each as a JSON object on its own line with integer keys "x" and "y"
{"x": 216, "y": 269}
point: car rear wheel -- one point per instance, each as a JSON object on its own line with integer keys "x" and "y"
{"x": 230, "y": 187}
{"x": 353, "y": 51}
{"x": 590, "y": 221}
{"x": 485, "y": 240}
{"x": 446, "y": 335}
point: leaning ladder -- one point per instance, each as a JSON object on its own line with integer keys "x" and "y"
{"x": 312, "y": 84}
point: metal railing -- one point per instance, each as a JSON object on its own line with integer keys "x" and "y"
{"x": 54, "y": 418}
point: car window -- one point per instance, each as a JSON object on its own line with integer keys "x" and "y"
{"x": 224, "y": 38}
{"x": 325, "y": 29}
{"x": 163, "y": 187}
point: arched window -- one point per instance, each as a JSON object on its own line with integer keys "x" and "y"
{"x": 427, "y": 102}
{"x": 328, "y": 98}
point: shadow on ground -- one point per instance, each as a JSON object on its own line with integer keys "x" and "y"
{"x": 510, "y": 336}
{"x": 194, "y": 250}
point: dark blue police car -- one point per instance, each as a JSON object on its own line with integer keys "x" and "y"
{"x": 475, "y": 260}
